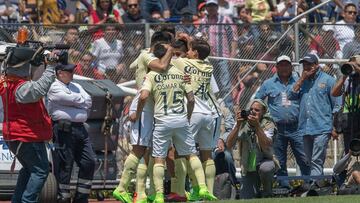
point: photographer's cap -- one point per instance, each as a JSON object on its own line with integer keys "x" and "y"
{"x": 65, "y": 67}
{"x": 310, "y": 58}
{"x": 208, "y": 2}
{"x": 283, "y": 58}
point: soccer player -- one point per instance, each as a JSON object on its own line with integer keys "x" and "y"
{"x": 202, "y": 121}
{"x": 141, "y": 130}
{"x": 172, "y": 123}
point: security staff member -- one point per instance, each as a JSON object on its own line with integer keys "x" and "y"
{"x": 68, "y": 107}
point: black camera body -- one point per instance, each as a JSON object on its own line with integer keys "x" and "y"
{"x": 347, "y": 68}
{"x": 244, "y": 114}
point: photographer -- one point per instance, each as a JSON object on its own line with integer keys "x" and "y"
{"x": 255, "y": 130}
{"x": 27, "y": 125}
{"x": 343, "y": 87}
{"x": 69, "y": 106}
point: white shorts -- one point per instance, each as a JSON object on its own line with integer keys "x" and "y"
{"x": 142, "y": 129}
{"x": 149, "y": 105}
{"x": 202, "y": 128}
{"x": 179, "y": 134}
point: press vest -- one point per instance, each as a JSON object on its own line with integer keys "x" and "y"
{"x": 28, "y": 122}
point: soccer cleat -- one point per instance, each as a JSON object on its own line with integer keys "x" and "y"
{"x": 159, "y": 198}
{"x": 204, "y": 194}
{"x": 194, "y": 195}
{"x": 151, "y": 198}
{"x": 124, "y": 197}
{"x": 174, "y": 197}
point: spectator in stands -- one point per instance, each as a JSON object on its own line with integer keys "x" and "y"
{"x": 227, "y": 8}
{"x": 258, "y": 163}
{"x": 344, "y": 30}
{"x": 9, "y": 11}
{"x": 104, "y": 12}
{"x": 133, "y": 13}
{"x": 352, "y": 48}
{"x": 285, "y": 113}
{"x": 72, "y": 38}
{"x": 187, "y": 25}
{"x": 148, "y": 7}
{"x": 243, "y": 15}
{"x": 51, "y": 13}
{"x": 259, "y": 10}
{"x": 285, "y": 10}
{"x": 225, "y": 46}
{"x": 156, "y": 16}
{"x": 108, "y": 50}
{"x": 85, "y": 67}
{"x": 120, "y": 6}
{"x": 318, "y": 15}
{"x": 313, "y": 89}
{"x": 201, "y": 13}
{"x": 176, "y": 7}
{"x": 325, "y": 45}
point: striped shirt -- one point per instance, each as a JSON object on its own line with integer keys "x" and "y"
{"x": 219, "y": 36}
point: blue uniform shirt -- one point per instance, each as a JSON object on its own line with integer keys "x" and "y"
{"x": 317, "y": 105}
{"x": 282, "y": 109}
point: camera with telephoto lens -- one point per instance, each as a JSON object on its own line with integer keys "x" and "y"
{"x": 347, "y": 68}
{"x": 35, "y": 54}
{"x": 244, "y": 114}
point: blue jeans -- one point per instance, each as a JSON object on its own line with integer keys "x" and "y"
{"x": 223, "y": 79}
{"x": 32, "y": 177}
{"x": 289, "y": 134}
{"x": 315, "y": 149}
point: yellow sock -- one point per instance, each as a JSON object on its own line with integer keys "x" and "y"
{"x": 150, "y": 173}
{"x": 141, "y": 180}
{"x": 180, "y": 173}
{"x": 159, "y": 172}
{"x": 191, "y": 175}
{"x": 130, "y": 166}
{"x": 196, "y": 166}
{"x": 173, "y": 185}
{"x": 210, "y": 170}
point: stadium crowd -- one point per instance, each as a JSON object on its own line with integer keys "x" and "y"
{"x": 111, "y": 47}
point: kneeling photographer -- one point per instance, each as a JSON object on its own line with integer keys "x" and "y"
{"x": 348, "y": 86}
{"x": 255, "y": 130}
{"x": 26, "y": 125}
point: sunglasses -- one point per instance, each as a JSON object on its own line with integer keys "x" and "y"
{"x": 132, "y": 5}
{"x": 351, "y": 12}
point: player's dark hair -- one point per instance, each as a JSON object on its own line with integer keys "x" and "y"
{"x": 202, "y": 47}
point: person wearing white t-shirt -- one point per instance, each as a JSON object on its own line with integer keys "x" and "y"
{"x": 108, "y": 50}
{"x": 344, "y": 29}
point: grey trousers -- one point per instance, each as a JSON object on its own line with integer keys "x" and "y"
{"x": 251, "y": 182}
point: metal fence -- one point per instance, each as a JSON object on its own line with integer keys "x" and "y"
{"x": 243, "y": 55}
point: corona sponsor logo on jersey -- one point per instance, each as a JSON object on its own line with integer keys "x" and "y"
{"x": 162, "y": 77}
{"x": 195, "y": 71}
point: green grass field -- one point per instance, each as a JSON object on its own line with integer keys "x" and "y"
{"x": 321, "y": 199}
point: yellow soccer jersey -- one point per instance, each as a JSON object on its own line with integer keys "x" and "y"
{"x": 200, "y": 72}
{"x": 141, "y": 65}
{"x": 168, "y": 90}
